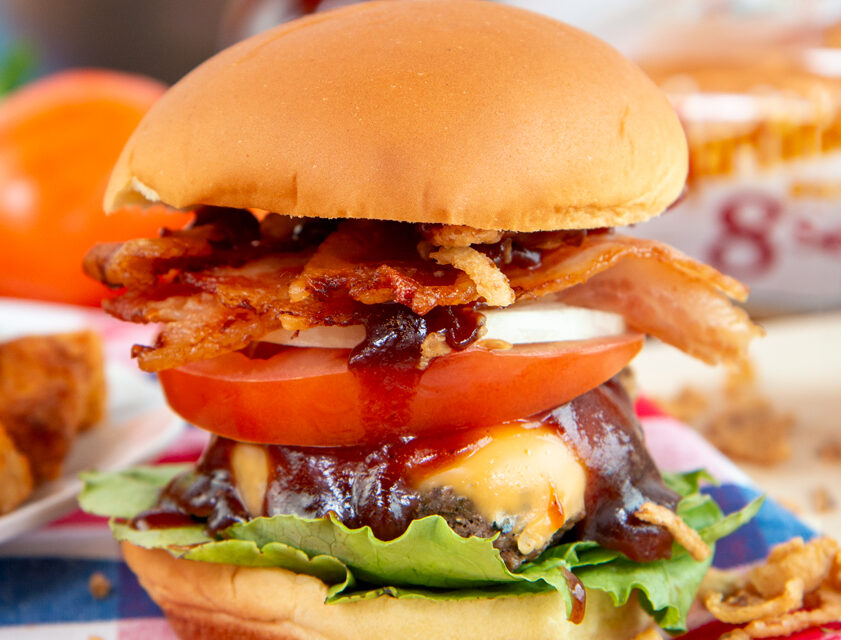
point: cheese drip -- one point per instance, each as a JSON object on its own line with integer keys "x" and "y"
{"x": 523, "y": 478}
{"x": 250, "y": 467}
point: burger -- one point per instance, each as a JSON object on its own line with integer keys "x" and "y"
{"x": 404, "y": 313}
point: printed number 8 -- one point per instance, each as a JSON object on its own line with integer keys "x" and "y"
{"x": 746, "y": 222}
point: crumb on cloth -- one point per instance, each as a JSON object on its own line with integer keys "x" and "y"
{"x": 822, "y": 500}
{"x": 99, "y": 585}
{"x": 829, "y": 451}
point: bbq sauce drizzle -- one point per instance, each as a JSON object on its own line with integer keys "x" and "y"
{"x": 386, "y": 361}
{"x": 372, "y": 485}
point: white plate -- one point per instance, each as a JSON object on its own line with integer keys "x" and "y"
{"x": 799, "y": 369}
{"x": 137, "y": 426}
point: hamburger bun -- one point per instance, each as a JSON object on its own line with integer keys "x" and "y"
{"x": 457, "y": 112}
{"x": 206, "y": 601}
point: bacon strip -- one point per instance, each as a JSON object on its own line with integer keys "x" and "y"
{"x": 377, "y": 262}
{"x": 194, "y": 327}
{"x": 220, "y": 285}
{"x": 216, "y": 236}
{"x": 657, "y": 289}
{"x": 569, "y": 265}
{"x": 657, "y": 299}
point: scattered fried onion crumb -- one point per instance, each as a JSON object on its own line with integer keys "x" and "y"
{"x": 830, "y": 451}
{"x": 456, "y": 235}
{"x": 822, "y": 500}
{"x": 785, "y": 625}
{"x": 752, "y": 430}
{"x": 738, "y": 419}
{"x": 99, "y": 585}
{"x": 434, "y": 345}
{"x": 649, "y": 634}
{"x": 798, "y": 587}
{"x": 490, "y": 282}
{"x": 683, "y": 534}
{"x": 688, "y": 405}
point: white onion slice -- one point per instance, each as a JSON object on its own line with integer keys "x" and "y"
{"x": 519, "y": 324}
{"x": 326, "y": 337}
{"x": 550, "y": 322}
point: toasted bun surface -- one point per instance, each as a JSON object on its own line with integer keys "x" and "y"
{"x": 452, "y": 111}
{"x": 207, "y": 601}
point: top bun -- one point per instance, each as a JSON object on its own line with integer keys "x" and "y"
{"x": 450, "y": 111}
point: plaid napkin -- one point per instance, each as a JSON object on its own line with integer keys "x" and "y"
{"x": 44, "y": 576}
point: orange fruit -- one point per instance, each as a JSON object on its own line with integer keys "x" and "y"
{"x": 59, "y": 138}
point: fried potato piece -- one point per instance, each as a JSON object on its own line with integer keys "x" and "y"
{"x": 51, "y": 387}
{"x": 16, "y": 482}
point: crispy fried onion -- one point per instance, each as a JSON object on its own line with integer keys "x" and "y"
{"x": 747, "y": 608}
{"x": 229, "y": 279}
{"x": 456, "y": 235}
{"x": 682, "y": 533}
{"x": 797, "y": 588}
{"x": 490, "y": 282}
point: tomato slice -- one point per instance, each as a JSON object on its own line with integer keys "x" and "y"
{"x": 309, "y": 396}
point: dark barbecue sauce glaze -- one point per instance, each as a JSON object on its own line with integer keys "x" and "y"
{"x": 386, "y": 362}
{"x": 206, "y": 495}
{"x": 602, "y": 429}
{"x": 579, "y": 596}
{"x": 372, "y": 485}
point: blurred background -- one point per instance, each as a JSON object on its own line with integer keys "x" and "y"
{"x": 757, "y": 84}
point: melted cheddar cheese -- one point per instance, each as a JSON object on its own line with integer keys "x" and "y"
{"x": 250, "y": 467}
{"x": 522, "y": 477}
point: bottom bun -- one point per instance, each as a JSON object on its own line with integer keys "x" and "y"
{"x": 204, "y": 601}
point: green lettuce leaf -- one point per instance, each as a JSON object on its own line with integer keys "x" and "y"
{"x": 667, "y": 587}
{"x": 685, "y": 484}
{"x": 124, "y": 494}
{"x": 178, "y": 539}
{"x": 449, "y": 561}
{"x": 429, "y": 560}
